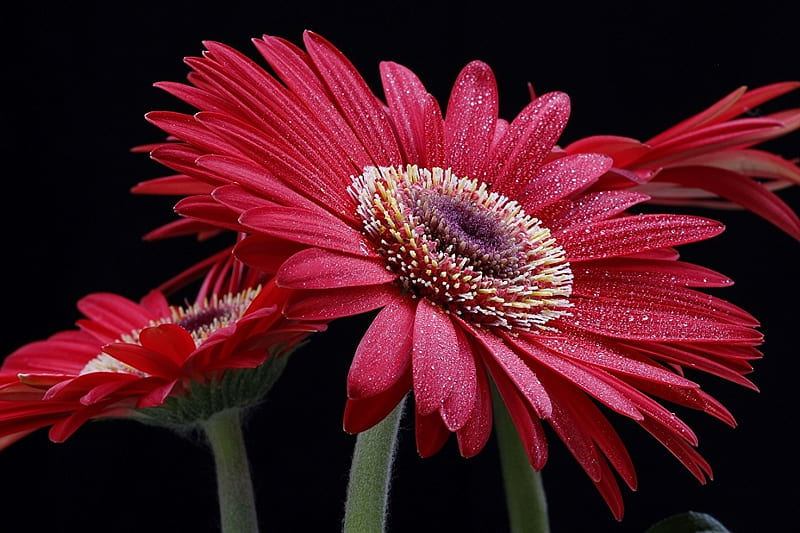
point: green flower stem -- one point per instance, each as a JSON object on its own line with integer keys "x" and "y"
{"x": 370, "y": 473}
{"x": 234, "y": 487}
{"x": 525, "y": 496}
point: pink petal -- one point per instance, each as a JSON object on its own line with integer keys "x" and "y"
{"x": 623, "y": 322}
{"x": 561, "y": 178}
{"x": 750, "y": 162}
{"x": 296, "y": 71}
{"x": 189, "y": 130}
{"x": 736, "y": 103}
{"x": 64, "y": 429}
{"x": 701, "y": 360}
{"x": 307, "y": 227}
{"x": 157, "y": 395}
{"x": 148, "y": 361}
{"x": 327, "y": 304}
{"x": 384, "y": 354}
{"x": 526, "y": 421}
{"x": 207, "y": 211}
{"x": 430, "y": 433}
{"x": 437, "y": 355}
{"x": 182, "y": 158}
{"x": 720, "y": 111}
{"x": 523, "y": 377}
{"x": 475, "y": 433}
{"x": 582, "y": 412}
{"x": 609, "y": 490}
{"x": 363, "y": 413}
{"x": 736, "y": 133}
{"x": 172, "y": 185}
{"x": 169, "y": 340}
{"x": 286, "y": 125}
{"x": 588, "y": 207}
{"x": 470, "y": 118}
{"x": 681, "y": 449}
{"x": 571, "y": 429}
{"x": 195, "y": 96}
{"x": 596, "y": 352}
{"x": 625, "y": 269}
{"x": 528, "y": 140}
{"x": 186, "y": 227}
{"x": 356, "y": 102}
{"x": 739, "y": 189}
{"x": 599, "y": 384}
{"x": 58, "y": 354}
{"x": 646, "y": 294}
{"x": 314, "y": 268}
{"x": 633, "y": 234}
{"x": 459, "y": 405}
{"x": 115, "y": 313}
{"x": 108, "y": 388}
{"x": 415, "y": 114}
{"x": 265, "y": 252}
{"x": 622, "y": 150}
{"x": 255, "y": 178}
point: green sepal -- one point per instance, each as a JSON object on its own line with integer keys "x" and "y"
{"x": 689, "y": 522}
{"x": 233, "y": 389}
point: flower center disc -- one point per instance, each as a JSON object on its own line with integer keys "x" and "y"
{"x": 200, "y": 320}
{"x": 473, "y": 252}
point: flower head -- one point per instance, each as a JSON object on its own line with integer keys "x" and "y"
{"x": 148, "y": 360}
{"x": 490, "y": 262}
{"x": 709, "y": 159}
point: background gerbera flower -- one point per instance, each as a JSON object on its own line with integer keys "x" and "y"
{"x": 709, "y": 159}
{"x": 489, "y": 263}
{"x": 151, "y": 361}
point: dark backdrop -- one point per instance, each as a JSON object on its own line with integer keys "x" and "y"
{"x": 76, "y": 82}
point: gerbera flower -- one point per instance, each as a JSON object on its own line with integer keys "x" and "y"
{"x": 151, "y": 361}
{"x": 708, "y": 160}
{"x": 487, "y": 260}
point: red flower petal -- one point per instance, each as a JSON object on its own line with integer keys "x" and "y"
{"x": 530, "y": 430}
{"x": 523, "y": 377}
{"x": 115, "y": 314}
{"x": 358, "y": 105}
{"x": 296, "y": 71}
{"x": 560, "y": 178}
{"x": 362, "y": 414}
{"x": 327, "y": 304}
{"x": 475, "y": 433}
{"x": 739, "y": 189}
{"x": 314, "y": 268}
{"x": 430, "y": 433}
{"x": 633, "y": 234}
{"x": 169, "y": 340}
{"x": 528, "y": 140}
{"x": 304, "y": 226}
{"x": 412, "y": 109}
{"x": 599, "y": 205}
{"x": 384, "y": 354}
{"x": 255, "y": 178}
{"x": 437, "y": 357}
{"x": 469, "y": 120}
{"x": 148, "y": 361}
{"x": 622, "y": 149}
{"x": 621, "y": 321}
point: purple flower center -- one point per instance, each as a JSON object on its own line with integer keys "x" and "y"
{"x": 474, "y": 253}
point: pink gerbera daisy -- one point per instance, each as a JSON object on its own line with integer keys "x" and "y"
{"x": 149, "y": 360}
{"x": 490, "y": 261}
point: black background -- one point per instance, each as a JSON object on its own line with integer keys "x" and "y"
{"x": 76, "y": 81}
